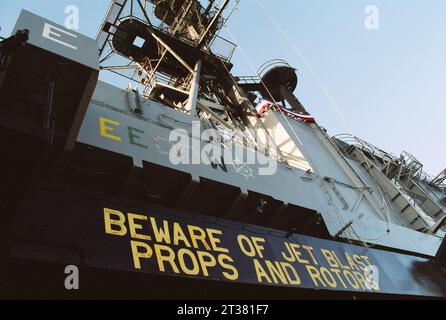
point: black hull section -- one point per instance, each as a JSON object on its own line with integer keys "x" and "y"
{"x": 131, "y": 249}
{"x": 27, "y": 279}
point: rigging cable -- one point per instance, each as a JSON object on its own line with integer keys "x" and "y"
{"x": 307, "y": 64}
{"x": 286, "y": 118}
{"x": 338, "y": 215}
{"x": 324, "y": 89}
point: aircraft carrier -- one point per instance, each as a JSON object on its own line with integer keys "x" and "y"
{"x": 192, "y": 181}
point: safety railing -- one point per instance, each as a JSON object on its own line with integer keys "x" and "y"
{"x": 374, "y": 151}
{"x": 247, "y": 79}
{"x": 271, "y": 64}
{"x": 272, "y": 152}
{"x": 223, "y": 48}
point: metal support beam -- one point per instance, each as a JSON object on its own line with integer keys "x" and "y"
{"x": 292, "y": 100}
{"x": 214, "y": 20}
{"x": 160, "y": 84}
{"x": 215, "y": 117}
{"x": 119, "y": 67}
{"x": 209, "y": 7}
{"x": 176, "y": 56}
{"x": 113, "y": 13}
{"x": 191, "y": 105}
{"x": 340, "y": 232}
{"x": 143, "y": 9}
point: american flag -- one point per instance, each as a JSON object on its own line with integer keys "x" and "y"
{"x": 264, "y": 105}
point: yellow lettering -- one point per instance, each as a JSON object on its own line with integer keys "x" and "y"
{"x": 258, "y": 246}
{"x": 242, "y": 240}
{"x": 366, "y": 260}
{"x": 359, "y": 261}
{"x": 351, "y": 279}
{"x": 360, "y": 278}
{"x": 195, "y": 267}
{"x": 138, "y": 255}
{"x": 328, "y": 277}
{"x": 291, "y": 257}
{"x": 211, "y": 262}
{"x": 310, "y": 249}
{"x": 105, "y": 129}
{"x": 178, "y": 235}
{"x": 198, "y": 235}
{"x": 261, "y": 273}
{"x": 215, "y": 241}
{"x": 337, "y": 272}
{"x": 295, "y": 248}
{"x": 315, "y": 275}
{"x": 229, "y": 276}
{"x": 339, "y": 261}
{"x": 276, "y": 272}
{"x": 351, "y": 262}
{"x": 134, "y": 227}
{"x": 168, "y": 257}
{"x": 296, "y": 281}
{"x": 330, "y": 258}
{"x": 161, "y": 234}
{"x": 119, "y": 222}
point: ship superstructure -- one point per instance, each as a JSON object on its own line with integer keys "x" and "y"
{"x": 192, "y": 172}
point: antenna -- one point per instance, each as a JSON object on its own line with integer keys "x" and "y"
{"x": 166, "y": 46}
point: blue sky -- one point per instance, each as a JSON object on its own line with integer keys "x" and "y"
{"x": 389, "y": 83}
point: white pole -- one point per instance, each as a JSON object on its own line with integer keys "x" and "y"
{"x": 193, "y": 94}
